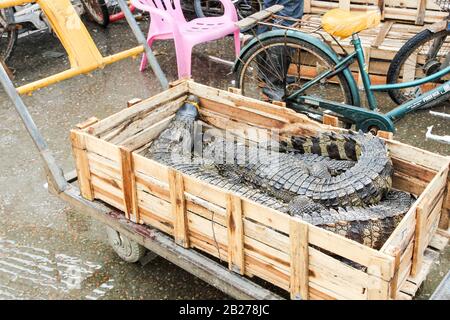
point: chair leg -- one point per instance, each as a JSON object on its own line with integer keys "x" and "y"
{"x": 144, "y": 61}
{"x": 184, "y": 57}
{"x": 237, "y": 43}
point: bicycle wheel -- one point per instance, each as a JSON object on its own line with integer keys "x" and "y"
{"x": 422, "y": 55}
{"x": 8, "y": 33}
{"x": 97, "y": 11}
{"x": 277, "y": 67}
{"x": 214, "y": 8}
{"x": 115, "y": 12}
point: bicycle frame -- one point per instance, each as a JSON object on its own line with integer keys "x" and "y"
{"x": 364, "y": 118}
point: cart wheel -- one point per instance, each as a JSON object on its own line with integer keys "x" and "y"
{"x": 127, "y": 249}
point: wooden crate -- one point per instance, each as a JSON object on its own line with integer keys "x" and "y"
{"x": 253, "y": 239}
{"x": 412, "y": 11}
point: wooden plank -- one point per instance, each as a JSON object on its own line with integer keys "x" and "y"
{"x": 381, "y": 4}
{"x": 137, "y": 124}
{"x": 87, "y": 123}
{"x": 385, "y": 134}
{"x": 82, "y": 164}
{"x": 394, "y": 282}
{"x": 378, "y": 289}
{"x": 419, "y": 236}
{"x": 413, "y": 283}
{"x": 279, "y": 103}
{"x": 344, "y": 5}
{"x": 133, "y": 102}
{"x": 438, "y": 242}
{"x": 234, "y": 90}
{"x": 235, "y": 230}
{"x": 307, "y": 6}
{"x": 141, "y": 108}
{"x": 330, "y": 120}
{"x": 416, "y": 155}
{"x": 129, "y": 185}
{"x": 299, "y": 253}
{"x": 444, "y": 222}
{"x": 181, "y": 228}
{"x": 384, "y": 30}
{"x": 420, "y": 14}
{"x": 101, "y": 147}
{"x": 147, "y": 135}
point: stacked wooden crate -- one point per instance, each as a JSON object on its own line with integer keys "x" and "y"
{"x": 412, "y": 11}
{"x": 401, "y": 20}
{"x": 256, "y": 240}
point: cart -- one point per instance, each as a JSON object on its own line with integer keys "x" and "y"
{"x": 128, "y": 234}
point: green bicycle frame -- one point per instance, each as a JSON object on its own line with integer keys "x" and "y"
{"x": 364, "y": 118}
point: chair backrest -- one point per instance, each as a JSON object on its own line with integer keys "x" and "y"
{"x": 172, "y": 7}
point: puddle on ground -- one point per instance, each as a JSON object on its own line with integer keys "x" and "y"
{"x": 25, "y": 269}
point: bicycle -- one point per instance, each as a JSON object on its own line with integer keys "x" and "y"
{"x": 308, "y": 75}
{"x": 433, "y": 45}
{"x": 209, "y": 8}
{"x": 24, "y": 20}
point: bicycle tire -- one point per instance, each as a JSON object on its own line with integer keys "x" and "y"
{"x": 97, "y": 11}
{"x": 252, "y": 54}
{"x": 117, "y": 15}
{"x": 11, "y": 35}
{"x": 402, "y": 56}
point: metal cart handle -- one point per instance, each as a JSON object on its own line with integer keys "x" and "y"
{"x": 54, "y": 173}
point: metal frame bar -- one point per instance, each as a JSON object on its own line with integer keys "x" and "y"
{"x": 143, "y": 41}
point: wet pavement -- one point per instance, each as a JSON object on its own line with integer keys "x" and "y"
{"x": 49, "y": 251}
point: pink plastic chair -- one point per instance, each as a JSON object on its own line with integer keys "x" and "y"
{"x": 168, "y": 22}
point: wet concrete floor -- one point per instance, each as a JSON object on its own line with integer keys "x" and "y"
{"x": 48, "y": 250}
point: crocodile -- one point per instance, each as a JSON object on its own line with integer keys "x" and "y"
{"x": 285, "y": 175}
{"x": 367, "y": 216}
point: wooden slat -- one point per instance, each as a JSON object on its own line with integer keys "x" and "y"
{"x": 385, "y": 134}
{"x": 145, "y": 136}
{"x": 176, "y": 186}
{"x": 419, "y": 236}
{"x": 87, "y": 123}
{"x": 394, "y": 282}
{"x": 385, "y": 28}
{"x": 133, "y": 102}
{"x": 330, "y": 120}
{"x": 234, "y": 90}
{"x": 344, "y": 5}
{"x": 444, "y": 222}
{"x": 299, "y": 272}
{"x": 419, "y": 156}
{"x": 129, "y": 185}
{"x": 420, "y": 15}
{"x": 82, "y": 164}
{"x": 378, "y": 289}
{"x": 141, "y": 108}
{"x": 235, "y": 230}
